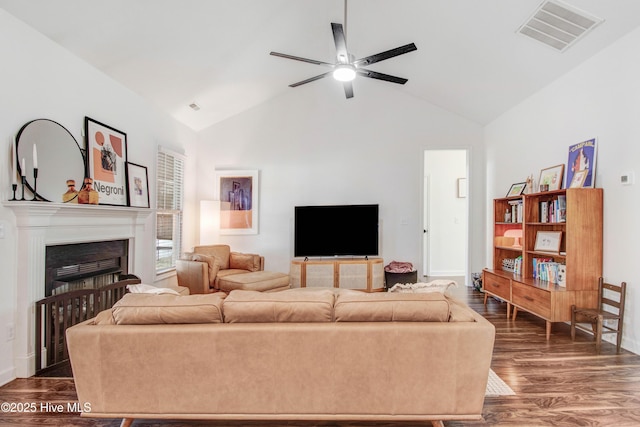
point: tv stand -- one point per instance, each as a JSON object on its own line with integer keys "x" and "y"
{"x": 364, "y": 274}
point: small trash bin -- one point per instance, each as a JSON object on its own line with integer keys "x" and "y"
{"x": 391, "y": 279}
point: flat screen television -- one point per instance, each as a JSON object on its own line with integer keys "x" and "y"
{"x": 337, "y": 230}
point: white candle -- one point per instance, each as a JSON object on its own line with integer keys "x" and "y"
{"x": 14, "y": 162}
{"x": 24, "y": 168}
{"x": 35, "y": 157}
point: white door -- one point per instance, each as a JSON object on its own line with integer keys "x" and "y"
{"x": 445, "y": 226}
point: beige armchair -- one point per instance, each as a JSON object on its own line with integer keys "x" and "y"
{"x": 201, "y": 270}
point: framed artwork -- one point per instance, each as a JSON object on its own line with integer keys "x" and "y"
{"x": 552, "y": 177}
{"x": 462, "y": 188}
{"x": 138, "y": 186}
{"x": 582, "y": 160}
{"x": 516, "y": 189}
{"x": 578, "y": 179}
{"x": 548, "y": 241}
{"x": 106, "y": 162}
{"x": 237, "y": 191}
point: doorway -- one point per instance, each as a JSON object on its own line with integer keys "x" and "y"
{"x": 446, "y": 213}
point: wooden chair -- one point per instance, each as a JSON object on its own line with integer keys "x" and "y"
{"x": 610, "y": 307}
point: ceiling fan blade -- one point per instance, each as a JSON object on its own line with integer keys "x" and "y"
{"x": 381, "y": 76}
{"x": 385, "y": 55}
{"x": 297, "y": 58}
{"x": 348, "y": 90}
{"x": 341, "y": 44}
{"x": 312, "y": 79}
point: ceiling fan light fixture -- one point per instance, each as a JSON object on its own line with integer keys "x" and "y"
{"x": 344, "y": 73}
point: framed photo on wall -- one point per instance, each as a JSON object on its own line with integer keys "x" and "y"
{"x": 138, "y": 185}
{"x": 106, "y": 162}
{"x": 237, "y": 191}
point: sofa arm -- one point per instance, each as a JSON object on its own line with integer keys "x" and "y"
{"x": 193, "y": 275}
{"x": 249, "y": 262}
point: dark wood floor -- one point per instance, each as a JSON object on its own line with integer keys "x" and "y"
{"x": 557, "y": 383}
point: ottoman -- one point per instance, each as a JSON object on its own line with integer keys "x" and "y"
{"x": 264, "y": 281}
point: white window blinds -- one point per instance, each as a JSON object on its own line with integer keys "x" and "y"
{"x": 170, "y": 178}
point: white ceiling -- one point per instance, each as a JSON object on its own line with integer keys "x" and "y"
{"x": 215, "y": 53}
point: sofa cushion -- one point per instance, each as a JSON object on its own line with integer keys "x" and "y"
{"x": 219, "y": 252}
{"x": 264, "y": 281}
{"x": 284, "y": 306}
{"x": 148, "y": 309}
{"x": 249, "y": 262}
{"x": 105, "y": 317}
{"x": 391, "y": 307}
{"x": 460, "y": 312}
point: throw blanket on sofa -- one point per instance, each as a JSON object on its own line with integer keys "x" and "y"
{"x": 433, "y": 286}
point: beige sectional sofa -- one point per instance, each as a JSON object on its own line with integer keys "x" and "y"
{"x": 303, "y": 354}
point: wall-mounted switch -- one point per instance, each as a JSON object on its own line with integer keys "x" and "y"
{"x": 626, "y": 178}
{"x": 1, "y": 231}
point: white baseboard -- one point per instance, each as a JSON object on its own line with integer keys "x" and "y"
{"x": 7, "y": 376}
{"x": 446, "y": 273}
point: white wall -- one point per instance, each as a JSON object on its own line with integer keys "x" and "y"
{"x": 447, "y": 212}
{"x": 41, "y": 80}
{"x": 312, "y": 146}
{"x": 601, "y": 98}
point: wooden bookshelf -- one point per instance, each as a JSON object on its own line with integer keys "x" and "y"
{"x": 580, "y": 250}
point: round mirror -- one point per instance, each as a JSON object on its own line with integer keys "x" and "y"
{"x": 59, "y": 159}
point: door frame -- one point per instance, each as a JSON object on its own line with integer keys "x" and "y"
{"x": 427, "y": 181}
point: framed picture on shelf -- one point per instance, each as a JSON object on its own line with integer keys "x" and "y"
{"x": 548, "y": 241}
{"x": 582, "y": 160}
{"x": 552, "y": 177}
{"x": 138, "y": 185}
{"x": 578, "y": 179}
{"x": 516, "y": 189}
{"x": 237, "y": 191}
{"x": 106, "y": 160}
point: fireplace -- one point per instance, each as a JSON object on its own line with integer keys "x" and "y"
{"x": 81, "y": 279}
{"x": 84, "y": 265}
{"x": 44, "y": 225}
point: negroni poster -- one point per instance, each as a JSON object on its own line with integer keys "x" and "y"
{"x": 106, "y": 158}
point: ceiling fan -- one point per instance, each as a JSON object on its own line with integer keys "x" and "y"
{"x": 346, "y": 66}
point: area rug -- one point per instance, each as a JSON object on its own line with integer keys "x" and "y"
{"x": 497, "y": 387}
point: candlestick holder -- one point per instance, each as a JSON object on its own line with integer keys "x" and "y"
{"x": 24, "y": 180}
{"x": 35, "y": 184}
{"x": 14, "y": 187}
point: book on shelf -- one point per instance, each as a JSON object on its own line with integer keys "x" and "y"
{"x": 544, "y": 211}
{"x": 516, "y": 211}
{"x": 549, "y": 271}
{"x": 554, "y": 210}
{"x": 562, "y": 208}
{"x": 517, "y": 266}
{"x": 535, "y": 263}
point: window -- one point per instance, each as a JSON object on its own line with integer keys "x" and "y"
{"x": 170, "y": 174}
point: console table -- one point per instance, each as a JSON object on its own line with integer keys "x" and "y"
{"x": 350, "y": 273}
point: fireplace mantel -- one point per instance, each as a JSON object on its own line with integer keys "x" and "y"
{"x": 38, "y": 214}
{"x": 41, "y": 224}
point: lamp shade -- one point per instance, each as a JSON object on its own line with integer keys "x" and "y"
{"x": 516, "y": 234}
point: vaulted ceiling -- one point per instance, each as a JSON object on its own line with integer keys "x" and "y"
{"x": 215, "y": 53}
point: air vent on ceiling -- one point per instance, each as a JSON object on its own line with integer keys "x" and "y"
{"x": 558, "y": 25}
